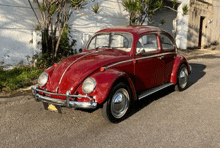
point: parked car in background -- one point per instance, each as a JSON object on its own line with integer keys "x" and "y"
{"x": 117, "y": 66}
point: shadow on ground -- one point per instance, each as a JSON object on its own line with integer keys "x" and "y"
{"x": 197, "y": 74}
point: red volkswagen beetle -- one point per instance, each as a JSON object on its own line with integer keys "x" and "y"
{"x": 117, "y": 66}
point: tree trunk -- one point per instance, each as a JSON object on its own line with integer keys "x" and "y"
{"x": 59, "y": 38}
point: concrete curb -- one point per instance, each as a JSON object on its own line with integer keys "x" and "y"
{"x": 27, "y": 88}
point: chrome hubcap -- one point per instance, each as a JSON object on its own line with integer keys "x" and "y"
{"x": 120, "y": 103}
{"x": 183, "y": 77}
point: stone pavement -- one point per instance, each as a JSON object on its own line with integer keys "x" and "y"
{"x": 197, "y": 53}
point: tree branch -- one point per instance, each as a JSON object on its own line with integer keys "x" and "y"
{"x": 171, "y": 8}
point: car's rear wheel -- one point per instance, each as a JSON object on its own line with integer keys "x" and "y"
{"x": 118, "y": 103}
{"x": 182, "y": 78}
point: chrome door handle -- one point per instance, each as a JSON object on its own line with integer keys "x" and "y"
{"x": 162, "y": 57}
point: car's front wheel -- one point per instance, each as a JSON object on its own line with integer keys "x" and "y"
{"x": 118, "y": 103}
{"x": 182, "y": 78}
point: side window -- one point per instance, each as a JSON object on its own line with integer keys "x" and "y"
{"x": 147, "y": 43}
{"x": 121, "y": 42}
{"x": 166, "y": 42}
{"x": 99, "y": 41}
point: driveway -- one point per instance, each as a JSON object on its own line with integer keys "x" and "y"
{"x": 165, "y": 119}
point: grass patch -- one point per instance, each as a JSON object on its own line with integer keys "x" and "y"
{"x": 18, "y": 77}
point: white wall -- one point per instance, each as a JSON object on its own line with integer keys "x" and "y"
{"x": 182, "y": 26}
{"x": 17, "y": 22}
{"x": 85, "y": 22}
{"x": 112, "y": 13}
{"x": 168, "y": 16}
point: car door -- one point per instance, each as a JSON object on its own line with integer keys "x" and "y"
{"x": 168, "y": 49}
{"x": 149, "y": 66}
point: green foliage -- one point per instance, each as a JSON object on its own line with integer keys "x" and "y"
{"x": 66, "y": 46}
{"x": 43, "y": 8}
{"x": 53, "y": 8}
{"x": 148, "y": 2}
{"x": 135, "y": 8}
{"x": 46, "y": 60}
{"x": 158, "y": 4}
{"x": 139, "y": 10}
{"x": 75, "y": 3}
{"x": 131, "y": 5}
{"x": 38, "y": 27}
{"x": 18, "y": 77}
{"x": 174, "y": 3}
{"x": 162, "y": 21}
{"x": 95, "y": 8}
{"x": 65, "y": 49}
{"x": 185, "y": 9}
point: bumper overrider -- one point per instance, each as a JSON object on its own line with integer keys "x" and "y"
{"x": 66, "y": 103}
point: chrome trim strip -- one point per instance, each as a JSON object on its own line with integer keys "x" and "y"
{"x": 146, "y": 57}
{"x": 119, "y": 63}
{"x": 72, "y": 64}
{"x": 156, "y": 55}
{"x": 153, "y": 90}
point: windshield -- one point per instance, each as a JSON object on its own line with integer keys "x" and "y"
{"x": 116, "y": 40}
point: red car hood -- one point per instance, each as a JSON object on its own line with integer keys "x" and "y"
{"x": 71, "y": 72}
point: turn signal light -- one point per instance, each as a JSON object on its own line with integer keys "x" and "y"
{"x": 55, "y": 64}
{"x": 102, "y": 69}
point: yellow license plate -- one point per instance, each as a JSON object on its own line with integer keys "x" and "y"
{"x": 52, "y": 107}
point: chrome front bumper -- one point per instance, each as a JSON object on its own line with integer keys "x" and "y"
{"x": 67, "y": 103}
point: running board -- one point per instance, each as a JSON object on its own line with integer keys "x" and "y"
{"x": 153, "y": 90}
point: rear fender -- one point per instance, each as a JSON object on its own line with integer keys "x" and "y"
{"x": 105, "y": 80}
{"x": 179, "y": 60}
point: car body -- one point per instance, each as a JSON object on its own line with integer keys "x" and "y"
{"x": 117, "y": 66}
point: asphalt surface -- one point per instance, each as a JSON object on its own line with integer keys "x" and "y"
{"x": 165, "y": 119}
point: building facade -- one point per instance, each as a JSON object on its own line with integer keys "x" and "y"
{"x": 203, "y": 23}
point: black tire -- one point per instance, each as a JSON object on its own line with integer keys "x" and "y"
{"x": 118, "y": 104}
{"x": 182, "y": 78}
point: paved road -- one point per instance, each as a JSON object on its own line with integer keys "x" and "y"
{"x": 166, "y": 119}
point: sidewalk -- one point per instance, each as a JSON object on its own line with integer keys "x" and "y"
{"x": 198, "y": 53}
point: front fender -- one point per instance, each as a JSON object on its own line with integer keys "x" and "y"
{"x": 179, "y": 60}
{"x": 104, "y": 82}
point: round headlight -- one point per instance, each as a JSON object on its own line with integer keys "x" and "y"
{"x": 88, "y": 85}
{"x": 43, "y": 78}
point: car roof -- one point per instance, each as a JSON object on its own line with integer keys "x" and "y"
{"x": 138, "y": 29}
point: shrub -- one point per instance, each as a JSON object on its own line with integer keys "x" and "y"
{"x": 18, "y": 77}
